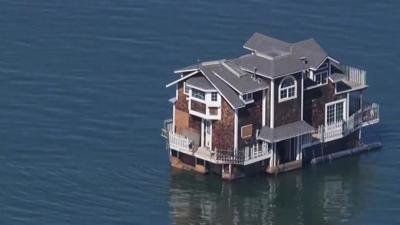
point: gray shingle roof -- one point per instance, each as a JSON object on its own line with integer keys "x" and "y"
{"x": 274, "y": 58}
{"x": 270, "y": 68}
{"x": 200, "y": 82}
{"x": 242, "y": 82}
{"x": 267, "y": 45}
{"x": 285, "y": 132}
{"x": 227, "y": 92}
{"x": 311, "y": 50}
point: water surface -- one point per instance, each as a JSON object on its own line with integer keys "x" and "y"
{"x": 82, "y": 100}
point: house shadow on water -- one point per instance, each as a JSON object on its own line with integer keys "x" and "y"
{"x": 329, "y": 194}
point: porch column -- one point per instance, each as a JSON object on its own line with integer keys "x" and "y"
{"x": 298, "y": 148}
{"x": 272, "y": 161}
{"x": 361, "y": 107}
{"x": 202, "y": 132}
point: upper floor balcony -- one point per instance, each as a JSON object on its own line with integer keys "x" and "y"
{"x": 352, "y": 79}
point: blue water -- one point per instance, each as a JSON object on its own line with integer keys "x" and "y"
{"x": 82, "y": 100}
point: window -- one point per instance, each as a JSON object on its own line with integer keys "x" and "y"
{"x": 334, "y": 112}
{"x": 247, "y": 98}
{"x": 185, "y": 88}
{"x": 321, "y": 77}
{"x": 197, "y": 94}
{"x": 214, "y": 96}
{"x": 246, "y": 131}
{"x": 287, "y": 89}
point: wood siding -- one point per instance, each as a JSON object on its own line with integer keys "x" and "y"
{"x": 223, "y": 130}
{"x": 287, "y": 111}
{"x": 251, "y": 114}
{"x": 314, "y": 103}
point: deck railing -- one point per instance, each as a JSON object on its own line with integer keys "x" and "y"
{"x": 355, "y": 75}
{"x": 244, "y": 155}
{"x": 180, "y": 143}
{"x": 183, "y": 144}
{"x": 370, "y": 114}
{"x": 367, "y": 116}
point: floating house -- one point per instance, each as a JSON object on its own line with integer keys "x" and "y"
{"x": 272, "y": 110}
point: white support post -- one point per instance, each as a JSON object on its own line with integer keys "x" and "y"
{"x": 272, "y": 162}
{"x": 202, "y": 132}
{"x": 264, "y": 102}
{"x": 236, "y": 130}
{"x": 299, "y": 153}
{"x": 361, "y": 107}
{"x": 211, "y": 134}
{"x": 173, "y": 108}
{"x": 348, "y": 106}
{"x": 302, "y": 94}
{"x": 271, "y": 124}
{"x": 275, "y": 155}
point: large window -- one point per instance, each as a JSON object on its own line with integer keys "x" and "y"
{"x": 197, "y": 94}
{"x": 287, "y": 89}
{"x": 335, "y": 112}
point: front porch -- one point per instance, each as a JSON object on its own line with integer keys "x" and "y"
{"x": 244, "y": 156}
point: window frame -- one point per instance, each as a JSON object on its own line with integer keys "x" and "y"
{"x": 214, "y": 94}
{"x": 334, "y": 118}
{"x": 244, "y": 127}
{"x": 247, "y": 98}
{"x": 196, "y": 96}
{"x": 287, "y": 90}
{"x": 323, "y": 77}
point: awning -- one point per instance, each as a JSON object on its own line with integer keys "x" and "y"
{"x": 286, "y": 131}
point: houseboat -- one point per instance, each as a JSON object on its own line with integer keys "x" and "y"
{"x": 276, "y": 108}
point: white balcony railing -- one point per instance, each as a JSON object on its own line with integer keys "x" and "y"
{"x": 245, "y": 156}
{"x": 367, "y": 116}
{"x": 355, "y": 75}
{"x": 180, "y": 143}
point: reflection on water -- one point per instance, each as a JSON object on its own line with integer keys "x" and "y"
{"x": 326, "y": 194}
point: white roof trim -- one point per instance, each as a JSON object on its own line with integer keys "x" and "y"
{"x": 336, "y": 61}
{"x": 185, "y": 70}
{"x": 201, "y": 89}
{"x": 315, "y": 69}
{"x": 181, "y": 79}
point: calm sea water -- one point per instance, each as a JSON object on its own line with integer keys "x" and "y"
{"x": 82, "y": 100}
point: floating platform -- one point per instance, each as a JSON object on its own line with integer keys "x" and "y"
{"x": 345, "y": 153}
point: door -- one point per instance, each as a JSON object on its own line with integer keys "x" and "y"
{"x": 207, "y": 133}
